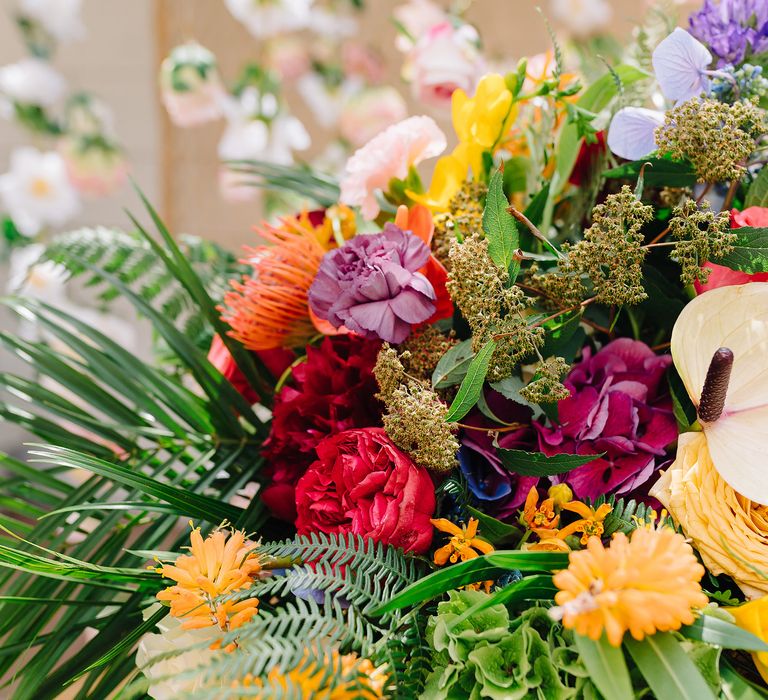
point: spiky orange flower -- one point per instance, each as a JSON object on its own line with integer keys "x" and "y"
{"x": 358, "y": 680}
{"x": 463, "y": 542}
{"x": 646, "y": 584}
{"x": 222, "y": 563}
{"x": 269, "y": 309}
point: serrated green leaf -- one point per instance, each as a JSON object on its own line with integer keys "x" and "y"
{"x": 452, "y": 367}
{"x": 713, "y": 630}
{"x": 660, "y": 171}
{"x": 493, "y": 530}
{"x": 668, "y": 670}
{"x": 606, "y": 666}
{"x": 539, "y": 464}
{"x": 750, "y": 251}
{"x": 472, "y": 384}
{"x": 500, "y": 227}
{"x": 757, "y": 194}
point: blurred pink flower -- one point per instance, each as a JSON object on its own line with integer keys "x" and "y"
{"x": 389, "y": 155}
{"x": 288, "y": 56}
{"x": 362, "y": 61}
{"x": 443, "y": 60}
{"x": 416, "y": 17}
{"x": 370, "y": 112}
{"x": 95, "y": 170}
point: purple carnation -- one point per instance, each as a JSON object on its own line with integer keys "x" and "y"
{"x": 618, "y": 406}
{"x": 372, "y": 286}
{"x": 733, "y": 29}
{"x": 498, "y": 491}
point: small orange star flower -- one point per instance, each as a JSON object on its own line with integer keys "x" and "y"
{"x": 591, "y": 522}
{"x": 462, "y": 544}
{"x": 539, "y": 517}
{"x": 222, "y": 563}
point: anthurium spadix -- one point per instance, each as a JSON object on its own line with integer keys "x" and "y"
{"x": 720, "y": 349}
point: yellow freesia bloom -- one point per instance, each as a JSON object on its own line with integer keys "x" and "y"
{"x": 753, "y": 617}
{"x": 447, "y": 178}
{"x": 724, "y": 333}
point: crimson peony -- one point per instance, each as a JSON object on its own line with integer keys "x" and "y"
{"x": 361, "y": 483}
{"x": 333, "y": 390}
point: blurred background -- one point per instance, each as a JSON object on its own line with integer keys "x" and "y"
{"x": 94, "y": 91}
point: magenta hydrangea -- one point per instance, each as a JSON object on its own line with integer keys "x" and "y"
{"x": 619, "y": 406}
{"x": 372, "y": 285}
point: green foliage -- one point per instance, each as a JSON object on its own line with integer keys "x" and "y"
{"x": 539, "y": 464}
{"x": 472, "y": 384}
{"x": 500, "y": 227}
{"x": 757, "y": 194}
{"x": 607, "y": 667}
{"x": 625, "y": 515}
{"x": 453, "y": 366}
{"x": 750, "y": 251}
{"x": 133, "y": 261}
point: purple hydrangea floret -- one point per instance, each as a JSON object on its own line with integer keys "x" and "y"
{"x": 372, "y": 285}
{"x": 619, "y": 407}
{"x": 733, "y": 29}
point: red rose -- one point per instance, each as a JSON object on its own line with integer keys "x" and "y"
{"x": 721, "y": 276}
{"x": 276, "y": 361}
{"x": 363, "y": 484}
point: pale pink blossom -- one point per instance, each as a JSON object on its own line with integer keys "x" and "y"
{"x": 93, "y": 169}
{"x": 357, "y": 59}
{"x": 386, "y": 156}
{"x": 415, "y": 18}
{"x": 370, "y": 112}
{"x": 445, "y": 59}
{"x": 288, "y": 56}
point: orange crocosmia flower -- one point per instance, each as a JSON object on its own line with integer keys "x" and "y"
{"x": 646, "y": 584}
{"x": 222, "y": 563}
{"x": 463, "y": 542}
{"x": 591, "y": 522}
{"x": 270, "y": 309}
{"x": 539, "y": 518}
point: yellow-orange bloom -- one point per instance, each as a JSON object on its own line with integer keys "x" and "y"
{"x": 269, "y": 309}
{"x": 591, "y": 522}
{"x": 753, "y": 617}
{"x": 646, "y": 584}
{"x": 222, "y": 563}
{"x": 359, "y": 680}
{"x": 463, "y": 542}
{"x": 539, "y": 518}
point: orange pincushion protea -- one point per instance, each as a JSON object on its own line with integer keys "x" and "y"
{"x": 220, "y": 564}
{"x": 269, "y": 309}
{"x": 647, "y": 584}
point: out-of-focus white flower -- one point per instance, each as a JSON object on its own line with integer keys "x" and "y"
{"x": 60, "y": 18}
{"x": 327, "y": 103}
{"x": 191, "y": 88}
{"x": 288, "y": 57}
{"x": 416, "y": 18}
{"x": 370, "y": 112}
{"x": 444, "y": 59}
{"x": 89, "y": 116}
{"x": 94, "y": 168}
{"x": 267, "y": 18}
{"x": 32, "y": 81}
{"x": 36, "y": 191}
{"x": 582, "y": 17}
{"x": 32, "y": 279}
{"x": 164, "y": 675}
{"x": 332, "y": 24}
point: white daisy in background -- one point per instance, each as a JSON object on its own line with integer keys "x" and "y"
{"x": 582, "y": 17}
{"x": 36, "y": 191}
{"x": 60, "y": 18}
{"x": 267, "y": 18}
{"x": 39, "y": 280}
{"x": 32, "y": 81}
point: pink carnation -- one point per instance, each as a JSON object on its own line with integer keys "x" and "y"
{"x": 386, "y": 156}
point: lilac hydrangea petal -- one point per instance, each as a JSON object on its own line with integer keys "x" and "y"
{"x": 679, "y": 62}
{"x": 632, "y": 134}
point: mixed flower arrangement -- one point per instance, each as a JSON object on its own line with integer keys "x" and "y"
{"x": 497, "y": 434}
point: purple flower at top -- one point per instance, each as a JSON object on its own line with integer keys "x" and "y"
{"x": 733, "y": 29}
{"x": 618, "y": 406}
{"x": 371, "y": 285}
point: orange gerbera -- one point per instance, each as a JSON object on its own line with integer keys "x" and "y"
{"x": 222, "y": 563}
{"x": 646, "y": 584}
{"x": 463, "y": 542}
{"x": 591, "y": 522}
{"x": 269, "y": 309}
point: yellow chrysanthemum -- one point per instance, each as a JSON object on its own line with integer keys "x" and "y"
{"x": 360, "y": 680}
{"x": 222, "y": 563}
{"x": 646, "y": 584}
{"x": 729, "y": 531}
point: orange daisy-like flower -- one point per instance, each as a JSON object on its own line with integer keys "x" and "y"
{"x": 539, "y": 518}
{"x": 270, "y": 309}
{"x": 463, "y": 542}
{"x": 646, "y": 584}
{"x": 222, "y": 563}
{"x": 591, "y": 522}
{"x": 359, "y": 680}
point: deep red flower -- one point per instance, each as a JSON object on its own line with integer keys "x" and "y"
{"x": 587, "y": 160}
{"x": 334, "y": 390}
{"x": 363, "y": 484}
{"x": 721, "y": 276}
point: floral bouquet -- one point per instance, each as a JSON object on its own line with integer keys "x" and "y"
{"x": 498, "y": 434}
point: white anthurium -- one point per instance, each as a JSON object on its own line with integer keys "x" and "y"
{"x": 32, "y": 81}
{"x": 720, "y": 349}
{"x": 36, "y": 191}
{"x": 632, "y": 133}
